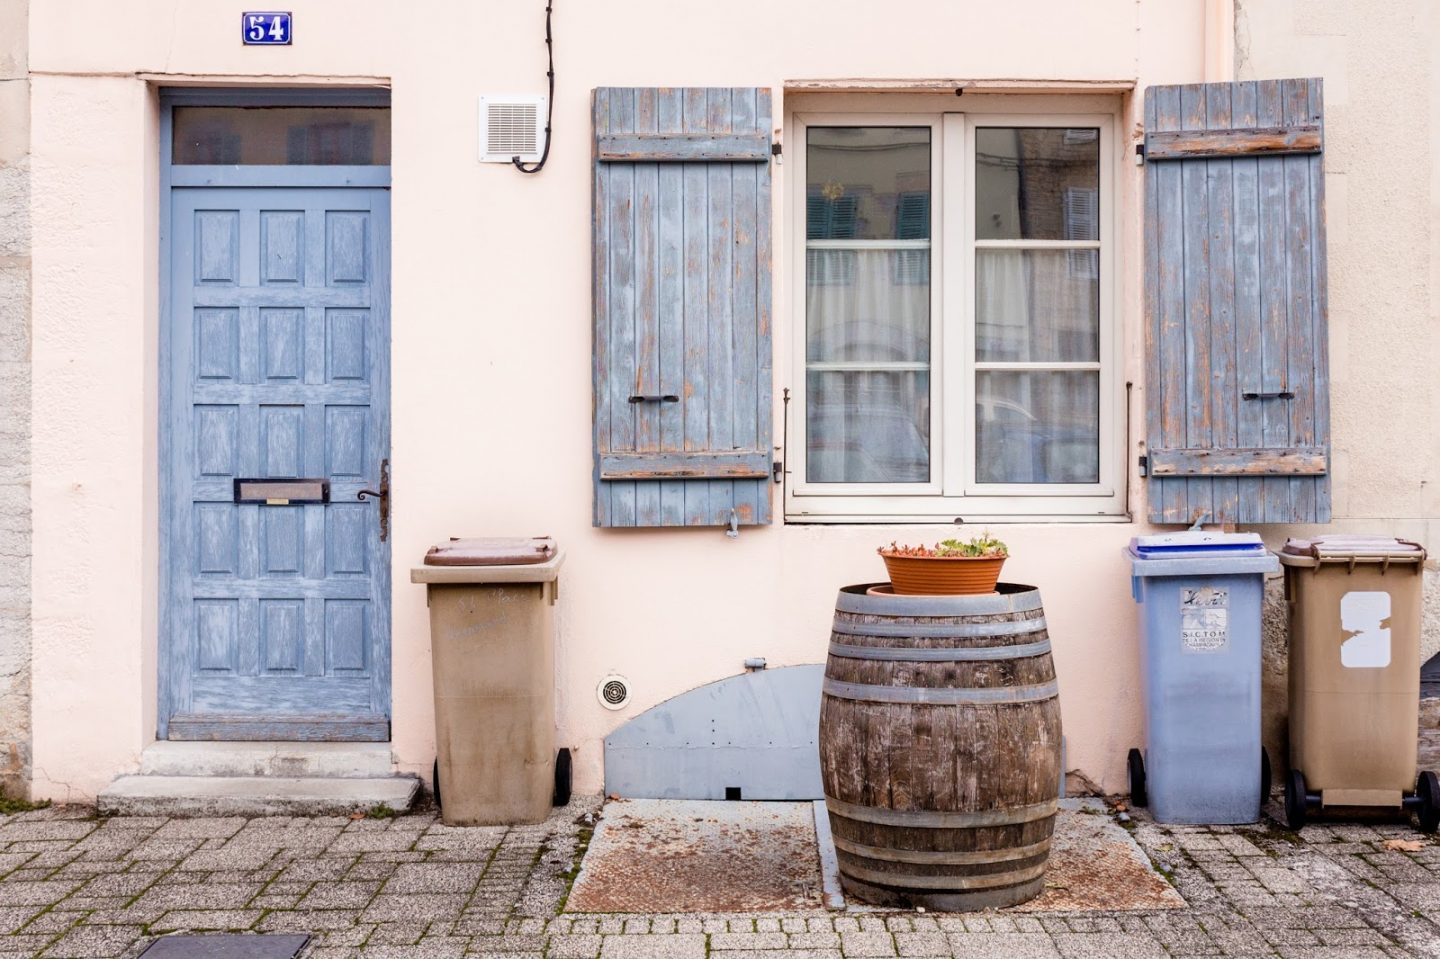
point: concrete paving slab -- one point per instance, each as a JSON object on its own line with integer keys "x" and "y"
{"x": 1096, "y": 864}
{"x": 699, "y": 856}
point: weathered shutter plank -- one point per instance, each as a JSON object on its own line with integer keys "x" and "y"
{"x": 1235, "y": 288}
{"x": 1249, "y": 344}
{"x": 1299, "y": 316}
{"x": 1166, "y": 355}
{"x": 680, "y": 309}
{"x": 1225, "y": 464}
{"x": 671, "y": 224}
{"x": 722, "y": 313}
{"x": 1275, "y": 425}
{"x": 1219, "y": 142}
{"x": 652, "y": 147}
{"x": 600, "y": 295}
{"x": 1199, "y": 384}
{"x": 647, "y": 307}
{"x": 622, "y": 308}
{"x": 1220, "y": 196}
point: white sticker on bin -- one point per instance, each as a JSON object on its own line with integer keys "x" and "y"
{"x": 1365, "y": 630}
{"x": 1204, "y": 619}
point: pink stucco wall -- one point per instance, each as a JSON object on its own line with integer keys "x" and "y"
{"x": 491, "y": 348}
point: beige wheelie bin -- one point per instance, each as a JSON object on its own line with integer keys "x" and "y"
{"x": 492, "y": 644}
{"x": 1355, "y": 604}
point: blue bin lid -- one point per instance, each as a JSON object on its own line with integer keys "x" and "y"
{"x": 1197, "y": 544}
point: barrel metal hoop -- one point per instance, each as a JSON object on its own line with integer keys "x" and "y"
{"x": 930, "y": 858}
{"x": 942, "y": 819}
{"x": 855, "y": 599}
{"x": 944, "y": 655}
{"x": 989, "y": 881}
{"x": 927, "y": 630}
{"x": 940, "y": 696}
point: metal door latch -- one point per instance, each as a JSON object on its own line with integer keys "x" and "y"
{"x": 383, "y": 495}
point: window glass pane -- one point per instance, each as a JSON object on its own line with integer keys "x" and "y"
{"x": 871, "y": 426}
{"x": 1037, "y": 426}
{"x": 1037, "y": 305}
{"x": 351, "y": 136}
{"x": 1037, "y": 183}
{"x": 867, "y": 305}
{"x": 867, "y": 183}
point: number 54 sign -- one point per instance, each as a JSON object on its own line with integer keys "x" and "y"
{"x": 265, "y": 28}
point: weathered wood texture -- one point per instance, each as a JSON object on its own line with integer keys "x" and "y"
{"x": 1192, "y": 144}
{"x": 1262, "y": 462}
{"x": 1235, "y": 299}
{"x": 940, "y": 747}
{"x": 655, "y": 148}
{"x": 682, "y": 306}
{"x": 724, "y": 465}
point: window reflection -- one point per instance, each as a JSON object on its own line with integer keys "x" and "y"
{"x": 321, "y": 136}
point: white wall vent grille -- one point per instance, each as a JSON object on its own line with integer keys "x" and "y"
{"x": 512, "y": 127}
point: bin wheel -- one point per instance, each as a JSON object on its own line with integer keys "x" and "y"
{"x": 1135, "y": 763}
{"x": 1295, "y": 801}
{"x": 1427, "y": 788}
{"x": 562, "y": 779}
{"x": 1265, "y": 775}
{"x": 435, "y": 781}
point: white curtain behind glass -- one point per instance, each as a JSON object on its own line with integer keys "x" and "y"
{"x": 868, "y": 306}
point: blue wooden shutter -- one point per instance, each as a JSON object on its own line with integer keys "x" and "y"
{"x": 1238, "y": 422}
{"x": 682, "y": 306}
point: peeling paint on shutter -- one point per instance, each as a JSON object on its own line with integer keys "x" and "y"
{"x": 1238, "y": 426}
{"x": 682, "y": 306}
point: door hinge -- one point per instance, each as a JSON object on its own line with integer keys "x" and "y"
{"x": 1144, "y": 465}
{"x": 1140, "y": 153}
{"x": 775, "y": 150}
{"x": 777, "y": 470}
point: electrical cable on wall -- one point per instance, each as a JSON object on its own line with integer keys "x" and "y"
{"x": 549, "y": 103}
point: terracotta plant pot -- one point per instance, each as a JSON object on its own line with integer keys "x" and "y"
{"x": 943, "y": 575}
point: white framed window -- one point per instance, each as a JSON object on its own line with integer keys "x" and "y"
{"x": 956, "y": 350}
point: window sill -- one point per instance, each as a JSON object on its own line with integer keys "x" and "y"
{"x": 973, "y": 519}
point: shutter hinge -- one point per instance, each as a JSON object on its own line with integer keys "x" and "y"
{"x": 775, "y": 150}
{"x": 1144, "y": 465}
{"x": 777, "y": 470}
{"x": 1140, "y": 153}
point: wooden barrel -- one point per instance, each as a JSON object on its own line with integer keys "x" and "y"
{"x": 940, "y": 747}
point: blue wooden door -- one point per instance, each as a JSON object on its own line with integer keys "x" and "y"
{"x": 276, "y": 620}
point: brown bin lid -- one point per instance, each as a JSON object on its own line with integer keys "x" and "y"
{"x": 492, "y": 551}
{"x": 1344, "y": 545}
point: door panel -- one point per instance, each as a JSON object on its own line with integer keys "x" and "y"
{"x": 278, "y": 359}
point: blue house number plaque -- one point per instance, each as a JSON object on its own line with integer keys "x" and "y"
{"x": 265, "y": 29}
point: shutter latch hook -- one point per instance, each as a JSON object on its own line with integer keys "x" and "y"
{"x": 734, "y": 529}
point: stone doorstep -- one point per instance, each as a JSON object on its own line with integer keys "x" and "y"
{"x": 290, "y": 760}
{"x": 254, "y": 795}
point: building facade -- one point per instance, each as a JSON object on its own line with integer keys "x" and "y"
{"x": 908, "y": 285}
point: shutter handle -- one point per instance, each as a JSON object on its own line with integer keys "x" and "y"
{"x": 1276, "y": 395}
{"x": 649, "y": 398}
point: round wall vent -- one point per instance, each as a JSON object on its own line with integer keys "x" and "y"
{"x": 613, "y": 692}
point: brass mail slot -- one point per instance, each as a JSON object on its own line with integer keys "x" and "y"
{"x": 282, "y": 492}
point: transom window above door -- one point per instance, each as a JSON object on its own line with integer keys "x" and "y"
{"x": 954, "y": 323}
{"x": 281, "y": 135}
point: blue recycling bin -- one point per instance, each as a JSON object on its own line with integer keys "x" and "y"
{"x": 1200, "y": 596}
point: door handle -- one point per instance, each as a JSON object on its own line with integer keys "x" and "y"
{"x": 383, "y": 496}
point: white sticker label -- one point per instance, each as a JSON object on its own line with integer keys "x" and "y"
{"x": 1365, "y": 630}
{"x": 1204, "y": 619}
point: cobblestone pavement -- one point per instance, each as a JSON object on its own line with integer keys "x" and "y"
{"x": 72, "y": 885}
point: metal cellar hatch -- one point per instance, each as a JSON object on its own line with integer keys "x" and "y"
{"x": 510, "y": 127}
